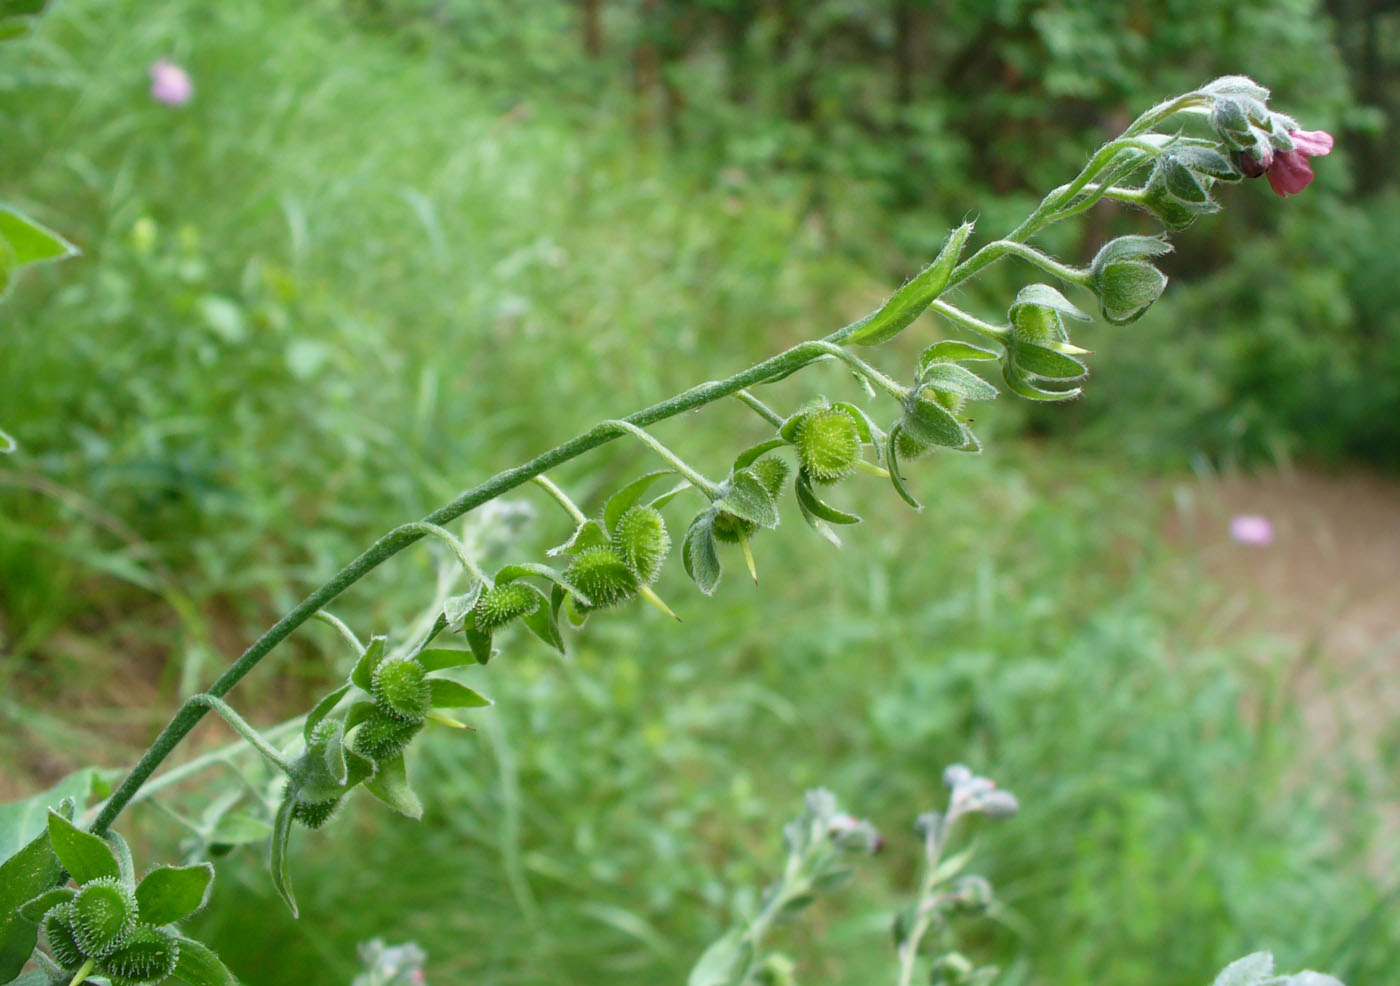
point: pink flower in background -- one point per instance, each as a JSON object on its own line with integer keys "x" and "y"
{"x": 1251, "y": 529}
{"x": 170, "y": 84}
{"x": 1288, "y": 171}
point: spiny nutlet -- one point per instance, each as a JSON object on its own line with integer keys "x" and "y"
{"x": 828, "y": 444}
{"x": 148, "y": 956}
{"x": 314, "y": 814}
{"x": 909, "y": 447}
{"x": 502, "y": 603}
{"x": 731, "y": 528}
{"x": 602, "y": 576}
{"x": 103, "y": 914}
{"x": 322, "y": 734}
{"x": 772, "y": 472}
{"x": 400, "y": 688}
{"x": 641, "y": 540}
{"x": 382, "y": 736}
{"x": 63, "y": 942}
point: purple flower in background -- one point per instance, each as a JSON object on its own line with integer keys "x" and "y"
{"x": 1251, "y": 529}
{"x": 1288, "y": 171}
{"x": 170, "y": 84}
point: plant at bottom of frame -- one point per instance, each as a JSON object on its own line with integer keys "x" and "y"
{"x": 107, "y": 924}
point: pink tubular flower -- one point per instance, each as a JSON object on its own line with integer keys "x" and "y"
{"x": 1252, "y": 529}
{"x": 1288, "y": 171}
{"x": 170, "y": 84}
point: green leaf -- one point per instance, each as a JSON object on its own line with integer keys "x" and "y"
{"x": 390, "y": 785}
{"x": 444, "y": 658}
{"x": 753, "y": 453}
{"x": 1247, "y": 971}
{"x": 84, "y": 855}
{"x": 723, "y": 962}
{"x": 746, "y": 498}
{"x": 31, "y": 242}
{"x": 520, "y": 570}
{"x": 239, "y": 829}
{"x": 21, "y": 821}
{"x": 172, "y": 893}
{"x": 7, "y": 441}
{"x": 955, "y": 379}
{"x": 892, "y": 467}
{"x": 198, "y": 965}
{"x": 35, "y": 908}
{"x": 948, "y": 350}
{"x": 543, "y": 622}
{"x": 449, "y": 694}
{"x": 1042, "y": 361}
{"x": 1020, "y": 384}
{"x": 931, "y": 423}
{"x": 700, "y": 553}
{"x": 1181, "y": 183}
{"x": 322, "y": 709}
{"x": 479, "y": 642}
{"x": 589, "y": 534}
{"x": 913, "y": 299}
{"x": 1044, "y": 296}
{"x": 277, "y": 851}
{"x": 810, "y": 503}
{"x": 627, "y": 497}
{"x": 363, "y": 675}
{"x": 24, "y": 876}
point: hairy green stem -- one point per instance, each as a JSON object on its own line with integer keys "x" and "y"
{"x": 396, "y": 540}
{"x": 562, "y": 498}
{"x": 458, "y": 549}
{"x": 243, "y": 728}
{"x": 326, "y": 616}
{"x": 763, "y": 410}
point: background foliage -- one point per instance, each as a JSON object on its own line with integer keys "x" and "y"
{"x": 393, "y": 246}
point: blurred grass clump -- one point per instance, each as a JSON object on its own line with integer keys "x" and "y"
{"x": 364, "y": 268}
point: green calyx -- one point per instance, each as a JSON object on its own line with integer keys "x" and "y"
{"x": 642, "y": 542}
{"x": 148, "y": 956}
{"x": 400, "y": 689}
{"x": 730, "y": 529}
{"x": 103, "y": 914}
{"x": 601, "y": 575}
{"x": 314, "y": 814}
{"x": 382, "y": 736}
{"x": 62, "y": 937}
{"x": 503, "y": 603}
{"x": 828, "y": 445}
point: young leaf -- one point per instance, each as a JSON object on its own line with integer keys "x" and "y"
{"x": 239, "y": 829}
{"x": 1044, "y": 362}
{"x": 809, "y": 501}
{"x": 172, "y": 893}
{"x": 931, "y": 423}
{"x": 948, "y": 350}
{"x": 35, "y": 908}
{"x": 1248, "y": 971}
{"x": 198, "y": 965}
{"x": 746, "y": 498}
{"x": 444, "y": 658}
{"x": 1020, "y": 384}
{"x": 363, "y": 675}
{"x": 322, "y": 709}
{"x": 589, "y": 534}
{"x": 84, "y": 855}
{"x": 390, "y": 785}
{"x": 700, "y": 553}
{"x": 723, "y": 961}
{"x": 910, "y": 301}
{"x": 513, "y": 573}
{"x": 277, "y": 851}
{"x": 627, "y": 497}
{"x": 124, "y": 861}
{"x": 449, "y": 694}
{"x": 753, "y": 453}
{"x": 955, "y": 379}
{"x": 29, "y": 241}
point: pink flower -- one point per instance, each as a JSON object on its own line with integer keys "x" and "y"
{"x": 170, "y": 84}
{"x": 1252, "y": 529}
{"x": 1288, "y": 171}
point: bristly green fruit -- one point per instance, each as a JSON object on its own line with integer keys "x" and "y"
{"x": 908, "y": 447}
{"x": 772, "y": 472}
{"x": 401, "y": 689}
{"x": 314, "y": 814}
{"x": 730, "y": 529}
{"x": 148, "y": 956}
{"x": 103, "y": 914}
{"x": 602, "y": 576}
{"x": 828, "y": 445}
{"x": 641, "y": 540}
{"x": 503, "y": 603}
{"x": 63, "y": 941}
{"x": 382, "y": 736}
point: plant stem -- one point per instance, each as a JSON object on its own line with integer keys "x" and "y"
{"x": 244, "y": 729}
{"x": 456, "y": 547}
{"x": 326, "y": 616}
{"x": 698, "y": 481}
{"x": 923, "y": 916}
{"x": 396, "y": 540}
{"x": 82, "y": 972}
{"x": 763, "y": 410}
{"x": 562, "y": 499}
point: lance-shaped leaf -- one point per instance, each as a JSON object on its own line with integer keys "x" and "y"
{"x": 363, "y": 675}
{"x": 746, "y": 498}
{"x": 84, "y": 855}
{"x": 198, "y": 965}
{"x": 930, "y": 423}
{"x": 390, "y": 785}
{"x": 629, "y": 496}
{"x": 24, "y": 241}
{"x": 892, "y": 467}
{"x": 951, "y": 378}
{"x": 444, "y": 658}
{"x": 172, "y": 893}
{"x": 239, "y": 828}
{"x": 810, "y": 503}
{"x": 1181, "y": 181}
{"x": 753, "y": 453}
{"x": 913, "y": 299}
{"x": 277, "y": 851}
{"x": 700, "y": 553}
{"x": 723, "y": 962}
{"x": 1042, "y": 361}
{"x": 1248, "y": 971}
{"x": 1020, "y": 384}
{"x": 125, "y": 865}
{"x": 1038, "y": 313}
{"x": 449, "y": 694}
{"x": 949, "y": 350}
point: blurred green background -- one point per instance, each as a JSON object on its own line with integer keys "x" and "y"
{"x": 393, "y": 246}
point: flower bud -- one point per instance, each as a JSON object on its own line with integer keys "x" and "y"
{"x": 148, "y": 956}
{"x": 956, "y": 775}
{"x": 502, "y": 603}
{"x": 602, "y": 576}
{"x": 828, "y": 444}
{"x": 382, "y": 736}
{"x": 1126, "y": 284}
{"x": 642, "y": 542}
{"x": 400, "y": 689}
{"x": 314, "y": 814}
{"x": 103, "y": 914}
{"x": 62, "y": 937}
{"x": 999, "y": 804}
